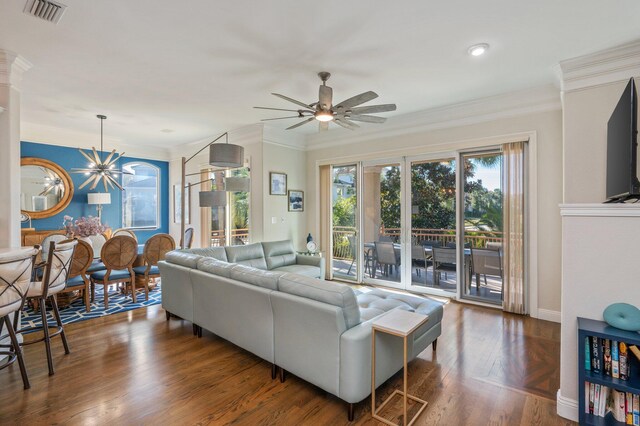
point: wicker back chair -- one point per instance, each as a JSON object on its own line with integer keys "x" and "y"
{"x": 77, "y": 279}
{"x": 118, "y": 255}
{"x": 15, "y": 277}
{"x": 155, "y": 250}
{"x": 126, "y": 232}
{"x": 188, "y": 238}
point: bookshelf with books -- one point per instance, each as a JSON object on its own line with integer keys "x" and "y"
{"x": 609, "y": 374}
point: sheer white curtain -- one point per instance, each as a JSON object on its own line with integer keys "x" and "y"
{"x": 513, "y": 175}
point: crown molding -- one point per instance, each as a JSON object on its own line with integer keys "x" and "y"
{"x": 601, "y": 68}
{"x": 12, "y": 67}
{"x": 49, "y": 135}
{"x": 513, "y": 104}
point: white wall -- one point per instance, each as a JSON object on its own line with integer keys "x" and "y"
{"x": 545, "y": 120}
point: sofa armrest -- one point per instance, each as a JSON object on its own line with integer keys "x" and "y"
{"x": 317, "y": 261}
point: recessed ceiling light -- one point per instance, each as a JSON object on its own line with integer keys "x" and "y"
{"x": 478, "y": 49}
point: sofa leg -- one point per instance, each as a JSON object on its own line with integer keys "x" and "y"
{"x": 434, "y": 345}
{"x": 199, "y": 331}
{"x": 351, "y": 410}
{"x": 195, "y": 330}
{"x": 168, "y": 314}
{"x": 282, "y": 375}
{"x": 274, "y": 371}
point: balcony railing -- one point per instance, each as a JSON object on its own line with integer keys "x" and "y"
{"x": 238, "y": 236}
{"x": 343, "y": 235}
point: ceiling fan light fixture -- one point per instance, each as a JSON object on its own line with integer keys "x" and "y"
{"x": 324, "y": 116}
{"x": 478, "y": 49}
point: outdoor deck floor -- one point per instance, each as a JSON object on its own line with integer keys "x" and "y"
{"x": 491, "y": 292}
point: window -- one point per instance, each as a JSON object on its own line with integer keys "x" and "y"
{"x": 140, "y": 198}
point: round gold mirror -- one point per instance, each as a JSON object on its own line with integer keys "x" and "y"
{"x": 45, "y": 187}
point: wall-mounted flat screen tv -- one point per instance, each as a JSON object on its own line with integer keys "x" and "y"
{"x": 622, "y": 148}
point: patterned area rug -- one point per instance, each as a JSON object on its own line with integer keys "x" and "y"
{"x": 76, "y": 311}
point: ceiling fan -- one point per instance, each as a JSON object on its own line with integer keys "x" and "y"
{"x": 343, "y": 114}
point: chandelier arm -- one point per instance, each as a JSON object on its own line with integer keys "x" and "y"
{"x": 226, "y": 134}
{"x": 104, "y": 183}
{"x": 106, "y": 161}
{"x": 86, "y": 156}
{"x": 95, "y": 154}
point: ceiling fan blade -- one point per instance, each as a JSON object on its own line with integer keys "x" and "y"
{"x": 372, "y": 109}
{"x": 281, "y": 109}
{"x": 367, "y": 118}
{"x": 346, "y": 123}
{"x": 301, "y": 123}
{"x": 323, "y": 126}
{"x": 280, "y": 118}
{"x": 325, "y": 97}
{"x": 357, "y": 100}
{"x": 286, "y": 98}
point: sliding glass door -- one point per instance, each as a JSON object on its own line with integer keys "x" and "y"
{"x": 382, "y": 223}
{"x": 482, "y": 216}
{"x": 344, "y": 219}
{"x": 432, "y": 226}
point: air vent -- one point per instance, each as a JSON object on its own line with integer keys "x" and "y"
{"x": 45, "y": 9}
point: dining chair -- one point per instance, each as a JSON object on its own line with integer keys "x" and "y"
{"x": 155, "y": 250}
{"x": 420, "y": 260}
{"x": 188, "y": 238}
{"x": 485, "y": 262}
{"x": 352, "y": 251}
{"x": 46, "y": 242}
{"x": 431, "y": 243}
{"x": 77, "y": 280}
{"x": 386, "y": 257}
{"x": 54, "y": 280}
{"x": 97, "y": 241}
{"x": 126, "y": 232}
{"x": 444, "y": 260}
{"x": 385, "y": 239}
{"x": 15, "y": 278}
{"x": 118, "y": 255}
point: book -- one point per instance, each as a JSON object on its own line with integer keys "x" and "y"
{"x": 636, "y": 409}
{"x": 615, "y": 360}
{"x": 629, "y": 408}
{"x": 587, "y": 354}
{"x": 604, "y": 398}
{"x": 606, "y": 351}
{"x": 592, "y": 394}
{"x": 624, "y": 361}
{"x": 586, "y": 397}
{"x": 634, "y": 349}
{"x": 596, "y": 400}
{"x": 595, "y": 354}
{"x": 619, "y": 406}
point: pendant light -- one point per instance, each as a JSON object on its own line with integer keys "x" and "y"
{"x": 99, "y": 169}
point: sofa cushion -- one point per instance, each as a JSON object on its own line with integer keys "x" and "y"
{"x": 215, "y": 266}
{"x": 259, "y": 277}
{"x": 306, "y": 270}
{"x": 335, "y": 294}
{"x": 249, "y": 255}
{"x": 375, "y": 302}
{"x": 214, "y": 252}
{"x": 279, "y": 253}
{"x": 183, "y": 258}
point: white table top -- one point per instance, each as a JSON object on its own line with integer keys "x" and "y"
{"x": 399, "y": 322}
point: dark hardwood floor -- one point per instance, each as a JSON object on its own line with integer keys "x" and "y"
{"x": 137, "y": 368}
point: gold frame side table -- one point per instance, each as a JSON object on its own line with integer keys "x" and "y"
{"x": 399, "y": 323}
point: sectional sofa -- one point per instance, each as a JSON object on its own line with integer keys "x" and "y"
{"x": 271, "y": 302}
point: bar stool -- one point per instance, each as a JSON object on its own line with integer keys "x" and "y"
{"x": 15, "y": 277}
{"x": 53, "y": 282}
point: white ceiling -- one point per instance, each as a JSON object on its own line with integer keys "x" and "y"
{"x": 197, "y": 67}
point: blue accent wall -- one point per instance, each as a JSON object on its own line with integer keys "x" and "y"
{"x": 69, "y": 158}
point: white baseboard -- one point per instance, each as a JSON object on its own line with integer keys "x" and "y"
{"x": 567, "y": 408}
{"x": 549, "y": 315}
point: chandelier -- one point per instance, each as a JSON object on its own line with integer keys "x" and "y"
{"x": 99, "y": 169}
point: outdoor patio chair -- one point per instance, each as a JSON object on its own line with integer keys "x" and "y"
{"x": 444, "y": 260}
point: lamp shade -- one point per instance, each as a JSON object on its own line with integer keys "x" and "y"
{"x": 213, "y": 198}
{"x": 226, "y": 155}
{"x": 99, "y": 198}
{"x": 237, "y": 184}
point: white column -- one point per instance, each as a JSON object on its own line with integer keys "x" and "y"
{"x": 12, "y": 67}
